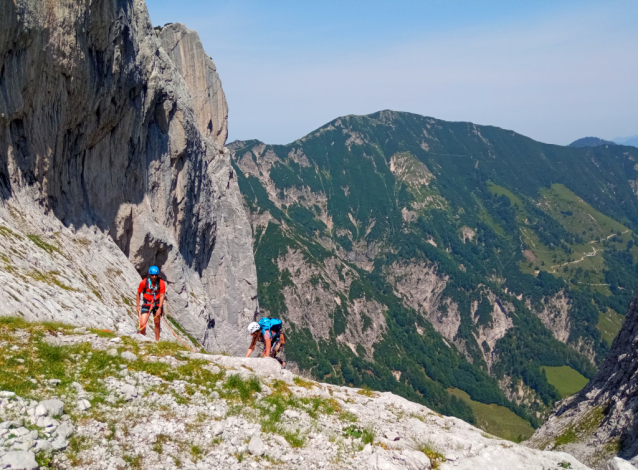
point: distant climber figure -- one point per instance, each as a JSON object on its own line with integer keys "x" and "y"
{"x": 153, "y": 290}
{"x": 267, "y": 331}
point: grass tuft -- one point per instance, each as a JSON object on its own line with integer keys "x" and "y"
{"x": 566, "y": 437}
{"x": 366, "y": 392}
{"x": 348, "y": 417}
{"x": 196, "y": 452}
{"x": 435, "y": 456}
{"x": 42, "y": 244}
{"x": 245, "y": 388}
{"x": 299, "y": 382}
{"x": 366, "y": 435}
{"x": 134, "y": 461}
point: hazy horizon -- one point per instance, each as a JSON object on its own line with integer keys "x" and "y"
{"x": 555, "y": 72}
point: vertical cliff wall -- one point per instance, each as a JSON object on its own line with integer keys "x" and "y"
{"x": 204, "y": 85}
{"x": 98, "y": 130}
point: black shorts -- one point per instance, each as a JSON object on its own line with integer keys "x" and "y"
{"x": 154, "y": 310}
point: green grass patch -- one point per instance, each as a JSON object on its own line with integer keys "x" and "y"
{"x": 348, "y": 417}
{"x": 576, "y": 215}
{"x": 43, "y": 245}
{"x": 165, "y": 348}
{"x": 566, "y": 437}
{"x": 76, "y": 445}
{"x": 299, "y": 382}
{"x": 49, "y": 278}
{"x": 435, "y": 456}
{"x": 609, "y": 324}
{"x": 103, "y": 333}
{"x": 366, "y": 392}
{"x": 158, "y": 369}
{"x": 13, "y": 323}
{"x": 366, "y": 434}
{"x": 272, "y": 409}
{"x": 196, "y": 452}
{"x": 501, "y": 191}
{"x": 566, "y": 380}
{"x": 134, "y": 461}
{"x": 245, "y": 388}
{"x": 8, "y": 233}
{"x": 496, "y": 420}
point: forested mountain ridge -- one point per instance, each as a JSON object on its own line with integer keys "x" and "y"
{"x": 416, "y": 255}
{"x": 591, "y": 142}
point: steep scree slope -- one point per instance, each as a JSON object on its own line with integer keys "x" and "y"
{"x": 416, "y": 255}
{"x": 98, "y": 130}
{"x": 601, "y": 420}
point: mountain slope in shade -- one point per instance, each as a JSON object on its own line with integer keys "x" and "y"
{"x": 416, "y": 255}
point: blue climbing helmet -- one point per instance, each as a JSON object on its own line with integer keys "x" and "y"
{"x": 153, "y": 271}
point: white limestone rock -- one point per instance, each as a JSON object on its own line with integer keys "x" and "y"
{"x": 619, "y": 464}
{"x": 53, "y": 407}
{"x": 197, "y": 68}
{"x": 129, "y": 356}
{"x": 256, "y": 446}
{"x": 19, "y": 460}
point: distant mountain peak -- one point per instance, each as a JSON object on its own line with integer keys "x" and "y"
{"x": 590, "y": 142}
{"x": 631, "y": 140}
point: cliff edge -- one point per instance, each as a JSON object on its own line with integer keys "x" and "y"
{"x": 601, "y": 421}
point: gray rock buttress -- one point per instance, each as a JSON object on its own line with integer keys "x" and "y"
{"x": 98, "y": 129}
{"x": 197, "y": 68}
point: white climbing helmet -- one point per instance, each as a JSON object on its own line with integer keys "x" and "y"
{"x": 253, "y": 327}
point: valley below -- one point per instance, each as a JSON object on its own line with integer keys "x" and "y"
{"x": 496, "y": 279}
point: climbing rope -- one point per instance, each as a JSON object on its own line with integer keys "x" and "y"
{"x": 177, "y": 337}
{"x": 140, "y": 327}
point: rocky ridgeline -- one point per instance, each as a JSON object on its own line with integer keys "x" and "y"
{"x": 90, "y": 399}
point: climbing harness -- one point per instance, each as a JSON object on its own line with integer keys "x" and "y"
{"x": 153, "y": 290}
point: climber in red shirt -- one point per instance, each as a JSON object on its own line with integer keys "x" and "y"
{"x": 153, "y": 290}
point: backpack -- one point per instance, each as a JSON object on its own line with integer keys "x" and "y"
{"x": 273, "y": 325}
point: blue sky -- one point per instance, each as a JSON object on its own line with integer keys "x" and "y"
{"x": 554, "y": 71}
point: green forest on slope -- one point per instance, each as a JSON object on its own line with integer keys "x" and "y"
{"x": 505, "y": 223}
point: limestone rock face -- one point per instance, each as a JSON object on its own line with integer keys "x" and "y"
{"x": 601, "y": 420}
{"x": 98, "y": 131}
{"x": 198, "y": 69}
